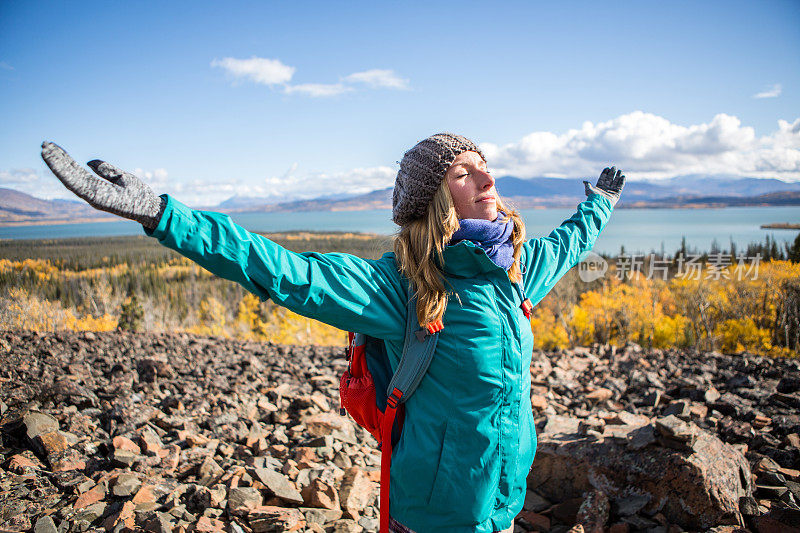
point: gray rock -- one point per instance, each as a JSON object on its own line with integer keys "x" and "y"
{"x": 45, "y": 524}
{"x": 631, "y": 504}
{"x": 748, "y": 506}
{"x": 319, "y": 516}
{"x": 678, "y": 408}
{"x": 92, "y": 512}
{"x": 369, "y": 523}
{"x": 534, "y": 502}
{"x": 125, "y": 458}
{"x": 160, "y": 523}
{"x": 675, "y": 428}
{"x": 278, "y": 485}
{"x": 209, "y": 472}
{"x": 242, "y": 499}
{"x": 37, "y": 423}
{"x": 711, "y": 395}
{"x": 346, "y": 526}
{"x": 126, "y": 485}
{"x": 557, "y": 424}
{"x": 641, "y": 437}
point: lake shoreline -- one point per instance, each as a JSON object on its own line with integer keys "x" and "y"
{"x": 641, "y": 206}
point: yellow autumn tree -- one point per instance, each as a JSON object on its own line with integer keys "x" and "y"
{"x": 211, "y": 317}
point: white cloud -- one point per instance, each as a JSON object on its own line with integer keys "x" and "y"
{"x": 772, "y": 92}
{"x": 272, "y": 72}
{"x": 649, "y": 146}
{"x": 354, "y": 181}
{"x": 376, "y": 78}
{"x": 643, "y": 145}
{"x": 39, "y": 184}
{"x": 18, "y": 176}
{"x": 257, "y": 69}
{"x": 317, "y": 89}
{"x": 154, "y": 178}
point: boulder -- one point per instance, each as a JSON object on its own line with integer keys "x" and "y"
{"x": 695, "y": 489}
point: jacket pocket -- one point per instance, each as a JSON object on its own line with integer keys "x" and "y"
{"x": 466, "y": 477}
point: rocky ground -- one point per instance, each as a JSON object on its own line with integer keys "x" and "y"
{"x": 120, "y": 431}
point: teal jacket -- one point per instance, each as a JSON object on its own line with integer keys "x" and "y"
{"x": 469, "y": 438}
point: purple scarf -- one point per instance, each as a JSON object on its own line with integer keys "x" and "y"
{"x": 493, "y": 236}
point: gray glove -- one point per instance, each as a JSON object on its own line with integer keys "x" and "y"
{"x": 119, "y": 192}
{"x": 609, "y": 184}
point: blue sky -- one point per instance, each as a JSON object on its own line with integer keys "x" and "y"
{"x": 293, "y": 99}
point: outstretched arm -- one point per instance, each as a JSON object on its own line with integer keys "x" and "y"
{"x": 339, "y": 289}
{"x": 547, "y": 259}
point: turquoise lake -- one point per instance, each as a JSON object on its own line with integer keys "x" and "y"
{"x": 638, "y": 230}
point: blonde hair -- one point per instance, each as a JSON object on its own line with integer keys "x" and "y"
{"x": 418, "y": 242}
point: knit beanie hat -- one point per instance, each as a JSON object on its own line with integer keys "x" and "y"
{"x": 422, "y": 171}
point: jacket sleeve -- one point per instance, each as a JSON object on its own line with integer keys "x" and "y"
{"x": 547, "y": 259}
{"x": 339, "y": 289}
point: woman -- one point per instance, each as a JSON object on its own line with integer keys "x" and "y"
{"x": 468, "y": 439}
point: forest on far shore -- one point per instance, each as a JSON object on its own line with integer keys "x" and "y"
{"x": 727, "y": 300}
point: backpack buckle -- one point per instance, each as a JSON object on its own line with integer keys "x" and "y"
{"x": 394, "y": 398}
{"x": 435, "y": 326}
{"x": 527, "y": 308}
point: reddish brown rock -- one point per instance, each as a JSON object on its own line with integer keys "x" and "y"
{"x": 356, "y": 490}
{"x": 52, "y": 443}
{"x": 144, "y": 495}
{"x": 170, "y": 458}
{"x": 20, "y": 462}
{"x": 536, "y": 521}
{"x": 124, "y": 443}
{"x": 68, "y": 461}
{"x": 207, "y": 525}
{"x": 305, "y": 455}
{"x": 538, "y": 402}
{"x": 329, "y": 423}
{"x": 768, "y": 524}
{"x": 270, "y": 518}
{"x": 599, "y": 395}
{"x": 620, "y": 527}
{"x": 125, "y": 518}
{"x": 321, "y": 494}
{"x": 89, "y": 497}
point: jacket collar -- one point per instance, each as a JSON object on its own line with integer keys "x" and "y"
{"x": 466, "y": 260}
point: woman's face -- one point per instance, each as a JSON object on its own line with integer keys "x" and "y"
{"x": 472, "y": 187}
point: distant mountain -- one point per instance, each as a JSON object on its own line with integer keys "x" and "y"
{"x": 782, "y": 198}
{"x": 566, "y": 192}
{"x": 239, "y": 204}
{"x": 20, "y": 208}
{"x": 681, "y": 191}
{"x": 720, "y": 185}
{"x": 380, "y": 199}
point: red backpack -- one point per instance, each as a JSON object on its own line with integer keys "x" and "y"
{"x": 374, "y": 395}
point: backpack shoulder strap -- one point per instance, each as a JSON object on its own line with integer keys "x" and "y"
{"x": 417, "y": 354}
